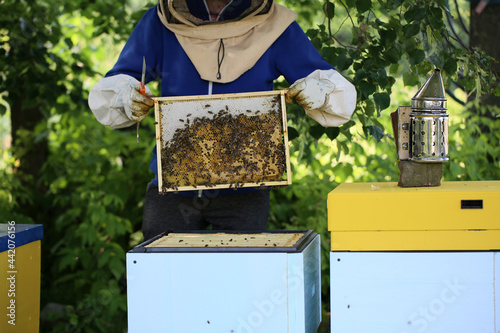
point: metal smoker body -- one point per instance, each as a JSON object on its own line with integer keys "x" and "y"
{"x": 422, "y": 129}
{"x": 429, "y": 122}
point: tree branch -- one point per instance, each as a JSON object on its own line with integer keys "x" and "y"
{"x": 349, "y": 15}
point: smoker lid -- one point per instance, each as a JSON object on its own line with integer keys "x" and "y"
{"x": 431, "y": 96}
{"x": 228, "y": 241}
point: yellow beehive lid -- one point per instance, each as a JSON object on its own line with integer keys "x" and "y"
{"x": 384, "y": 216}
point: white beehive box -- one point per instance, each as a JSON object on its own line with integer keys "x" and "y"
{"x": 413, "y": 292}
{"x": 226, "y": 282}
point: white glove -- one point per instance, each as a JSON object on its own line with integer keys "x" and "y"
{"x": 136, "y": 105}
{"x": 326, "y": 96}
{"x": 310, "y": 93}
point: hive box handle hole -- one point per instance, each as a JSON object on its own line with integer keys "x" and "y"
{"x": 472, "y": 204}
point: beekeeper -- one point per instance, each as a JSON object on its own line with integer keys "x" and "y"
{"x": 200, "y": 47}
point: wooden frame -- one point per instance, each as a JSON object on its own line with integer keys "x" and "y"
{"x": 160, "y": 132}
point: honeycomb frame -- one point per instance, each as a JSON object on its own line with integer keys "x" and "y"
{"x": 222, "y": 141}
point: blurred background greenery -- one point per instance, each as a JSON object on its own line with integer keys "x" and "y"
{"x": 86, "y": 183}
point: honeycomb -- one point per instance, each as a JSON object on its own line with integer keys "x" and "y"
{"x": 225, "y": 141}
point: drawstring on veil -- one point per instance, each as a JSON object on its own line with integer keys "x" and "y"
{"x": 220, "y": 58}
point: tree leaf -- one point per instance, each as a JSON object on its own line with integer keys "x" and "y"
{"x": 387, "y": 36}
{"x": 363, "y": 5}
{"x": 342, "y": 62}
{"x": 450, "y": 66}
{"x": 376, "y": 132}
{"x": 410, "y": 79}
{"x": 382, "y": 77}
{"x": 414, "y": 14}
{"x": 392, "y": 55}
{"x": 329, "y": 9}
{"x": 383, "y": 100}
{"x": 329, "y": 54}
{"x": 496, "y": 91}
{"x": 292, "y": 133}
{"x": 316, "y": 41}
{"x": 366, "y": 88}
{"x": 411, "y": 29}
{"x": 312, "y": 33}
{"x": 350, "y": 3}
{"x": 417, "y": 56}
{"x": 332, "y": 132}
{"x": 316, "y": 131}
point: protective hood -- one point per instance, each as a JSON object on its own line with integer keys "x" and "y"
{"x": 223, "y": 50}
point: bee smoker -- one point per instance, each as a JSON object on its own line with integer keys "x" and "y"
{"x": 421, "y": 133}
{"x": 429, "y": 122}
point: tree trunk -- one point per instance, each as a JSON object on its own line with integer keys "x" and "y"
{"x": 484, "y": 28}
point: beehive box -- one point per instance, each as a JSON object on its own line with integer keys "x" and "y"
{"x": 421, "y": 259}
{"x": 20, "y": 265}
{"x": 222, "y": 141}
{"x": 231, "y": 281}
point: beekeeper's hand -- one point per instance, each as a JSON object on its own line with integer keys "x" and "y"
{"x": 310, "y": 93}
{"x": 135, "y": 104}
{"x": 326, "y": 96}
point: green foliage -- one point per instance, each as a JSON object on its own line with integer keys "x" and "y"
{"x": 475, "y": 145}
{"x": 87, "y": 206}
{"x": 91, "y": 185}
{"x": 390, "y": 38}
{"x": 95, "y": 212}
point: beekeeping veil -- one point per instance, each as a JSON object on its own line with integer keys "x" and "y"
{"x": 223, "y": 50}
